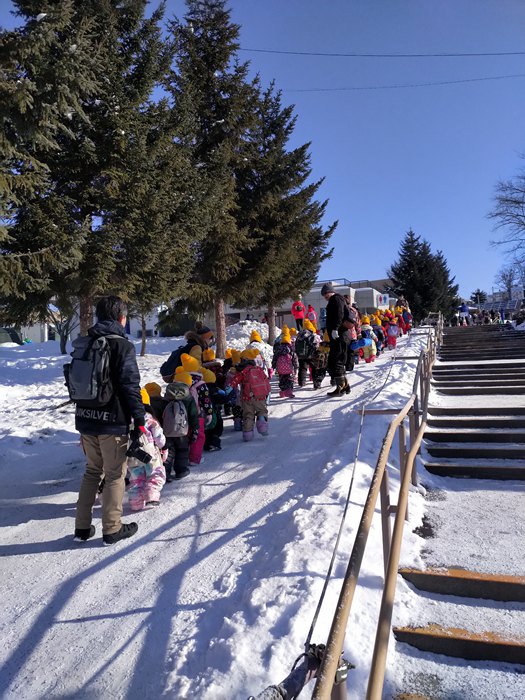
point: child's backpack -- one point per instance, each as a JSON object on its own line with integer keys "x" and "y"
{"x": 175, "y": 419}
{"x": 366, "y": 332}
{"x": 256, "y": 383}
{"x": 304, "y": 345}
{"x": 87, "y": 376}
{"x": 285, "y": 364}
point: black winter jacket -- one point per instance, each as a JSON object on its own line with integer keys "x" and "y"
{"x": 167, "y": 369}
{"x": 335, "y": 313}
{"x": 126, "y": 403}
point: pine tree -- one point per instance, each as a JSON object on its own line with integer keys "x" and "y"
{"x": 49, "y": 69}
{"x": 423, "y": 278}
{"x": 478, "y": 296}
{"x": 277, "y": 207}
{"x": 214, "y": 104}
{"x": 87, "y": 169}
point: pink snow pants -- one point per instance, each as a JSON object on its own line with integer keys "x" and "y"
{"x": 197, "y": 446}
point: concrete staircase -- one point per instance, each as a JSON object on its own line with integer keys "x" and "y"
{"x": 476, "y": 431}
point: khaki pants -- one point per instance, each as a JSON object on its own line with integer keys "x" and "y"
{"x": 250, "y": 410}
{"x": 106, "y": 456}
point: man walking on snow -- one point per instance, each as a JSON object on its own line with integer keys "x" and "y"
{"x": 336, "y": 313}
{"x": 104, "y": 429}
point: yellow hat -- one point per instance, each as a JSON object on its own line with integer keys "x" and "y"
{"x": 308, "y": 325}
{"x": 255, "y": 337}
{"x": 145, "y": 397}
{"x": 153, "y": 389}
{"x": 196, "y": 352}
{"x": 365, "y": 319}
{"x": 285, "y": 338}
{"x": 227, "y": 354}
{"x": 208, "y": 376}
{"x": 236, "y": 356}
{"x": 284, "y": 328}
{"x": 184, "y": 377}
{"x": 326, "y": 337}
{"x": 208, "y": 355}
{"x": 189, "y": 363}
{"x": 293, "y": 331}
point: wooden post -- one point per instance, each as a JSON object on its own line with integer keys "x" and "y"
{"x": 271, "y": 324}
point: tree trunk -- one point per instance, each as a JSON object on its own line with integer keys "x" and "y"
{"x": 220, "y": 328}
{"x": 64, "y": 333}
{"x": 271, "y": 324}
{"x": 85, "y": 314}
{"x": 143, "y": 326}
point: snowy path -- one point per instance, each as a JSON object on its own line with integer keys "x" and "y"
{"x": 214, "y": 596}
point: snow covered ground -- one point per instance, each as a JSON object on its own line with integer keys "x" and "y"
{"x": 214, "y": 597}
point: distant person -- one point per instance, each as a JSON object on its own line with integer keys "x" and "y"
{"x": 298, "y": 312}
{"x": 312, "y": 316}
{"x": 104, "y": 429}
{"x": 464, "y": 314}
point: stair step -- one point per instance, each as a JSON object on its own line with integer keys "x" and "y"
{"x": 469, "y": 584}
{"x": 480, "y": 390}
{"x": 476, "y": 410}
{"x": 464, "y": 435}
{"x": 466, "y": 377}
{"x": 497, "y": 422}
{"x": 456, "y": 642}
{"x": 504, "y": 472}
{"x": 478, "y": 450}
{"x": 440, "y": 382}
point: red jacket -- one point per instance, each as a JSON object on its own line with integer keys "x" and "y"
{"x": 298, "y": 309}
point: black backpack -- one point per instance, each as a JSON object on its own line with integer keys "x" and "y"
{"x": 304, "y": 345}
{"x": 87, "y": 376}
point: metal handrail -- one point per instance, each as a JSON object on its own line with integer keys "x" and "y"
{"x": 414, "y": 407}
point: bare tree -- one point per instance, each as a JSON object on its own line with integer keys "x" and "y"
{"x": 509, "y": 214}
{"x": 507, "y": 278}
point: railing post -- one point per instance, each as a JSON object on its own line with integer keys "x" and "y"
{"x": 402, "y": 453}
{"x": 385, "y": 518}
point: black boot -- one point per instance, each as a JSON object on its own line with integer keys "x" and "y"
{"x": 340, "y": 388}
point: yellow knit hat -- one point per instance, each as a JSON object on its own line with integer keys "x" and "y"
{"x": 184, "y": 377}
{"x": 285, "y": 338}
{"x": 309, "y": 325}
{"x": 227, "y": 354}
{"x": 208, "y": 355}
{"x": 365, "y": 319}
{"x": 293, "y": 331}
{"x": 145, "y": 397}
{"x": 208, "y": 376}
{"x": 255, "y": 337}
{"x": 153, "y": 389}
{"x": 190, "y": 363}
{"x": 236, "y": 356}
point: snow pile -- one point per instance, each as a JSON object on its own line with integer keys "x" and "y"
{"x": 238, "y": 337}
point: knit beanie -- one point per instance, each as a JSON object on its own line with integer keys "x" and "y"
{"x": 285, "y": 337}
{"x": 203, "y": 331}
{"x": 236, "y": 356}
{"x": 190, "y": 364}
{"x": 228, "y": 354}
{"x": 293, "y": 331}
{"x": 255, "y": 337}
{"x": 326, "y": 288}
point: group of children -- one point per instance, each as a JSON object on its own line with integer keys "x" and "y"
{"x": 187, "y": 418}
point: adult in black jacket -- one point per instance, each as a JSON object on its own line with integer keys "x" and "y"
{"x": 201, "y": 336}
{"x": 104, "y": 430}
{"x": 336, "y": 314}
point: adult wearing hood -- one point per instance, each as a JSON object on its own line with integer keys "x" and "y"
{"x": 201, "y": 336}
{"x": 336, "y": 315}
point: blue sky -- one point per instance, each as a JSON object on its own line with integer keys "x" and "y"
{"x": 425, "y": 158}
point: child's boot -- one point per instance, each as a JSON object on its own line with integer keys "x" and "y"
{"x": 247, "y": 435}
{"x": 262, "y": 425}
